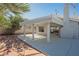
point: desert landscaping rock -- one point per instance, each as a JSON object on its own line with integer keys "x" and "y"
{"x": 13, "y": 46}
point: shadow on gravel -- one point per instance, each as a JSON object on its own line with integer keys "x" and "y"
{"x": 9, "y": 43}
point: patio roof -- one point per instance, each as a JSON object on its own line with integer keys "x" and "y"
{"x": 52, "y": 18}
{"x": 57, "y": 19}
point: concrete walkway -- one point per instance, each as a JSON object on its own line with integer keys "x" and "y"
{"x": 57, "y": 47}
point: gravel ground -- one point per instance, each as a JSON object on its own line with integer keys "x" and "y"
{"x": 13, "y": 46}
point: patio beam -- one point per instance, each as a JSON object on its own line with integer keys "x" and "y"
{"x": 33, "y": 31}
{"x": 48, "y": 32}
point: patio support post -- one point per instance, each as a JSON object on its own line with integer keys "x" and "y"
{"x": 48, "y": 32}
{"x": 65, "y": 31}
{"x": 33, "y": 31}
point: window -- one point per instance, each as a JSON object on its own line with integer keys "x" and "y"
{"x": 41, "y": 29}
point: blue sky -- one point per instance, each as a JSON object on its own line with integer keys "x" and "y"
{"x": 43, "y": 9}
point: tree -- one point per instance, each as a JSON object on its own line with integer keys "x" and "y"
{"x": 12, "y": 22}
{"x": 14, "y": 8}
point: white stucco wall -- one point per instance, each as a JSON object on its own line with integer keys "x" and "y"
{"x": 70, "y": 31}
{"x": 76, "y": 30}
{"x": 67, "y": 31}
{"x": 45, "y": 29}
{"x": 28, "y": 29}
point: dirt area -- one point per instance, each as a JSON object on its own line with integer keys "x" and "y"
{"x": 12, "y": 46}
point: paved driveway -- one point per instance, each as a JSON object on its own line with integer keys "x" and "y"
{"x": 56, "y": 47}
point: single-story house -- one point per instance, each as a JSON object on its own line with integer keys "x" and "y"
{"x": 40, "y": 24}
{"x": 62, "y": 26}
{"x": 46, "y": 25}
{"x": 50, "y": 25}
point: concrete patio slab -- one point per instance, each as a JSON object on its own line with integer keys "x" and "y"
{"x": 56, "y": 47}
